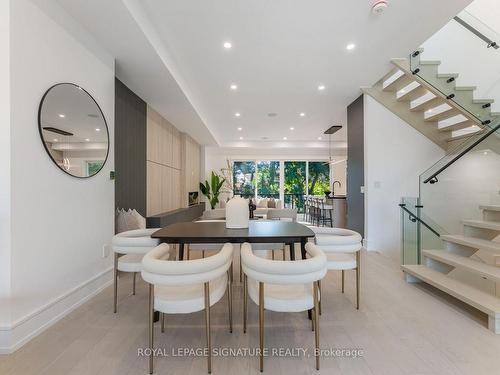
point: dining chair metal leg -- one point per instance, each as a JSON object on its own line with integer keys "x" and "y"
{"x": 230, "y": 297}
{"x": 343, "y": 280}
{"x": 312, "y": 320}
{"x": 207, "y": 327}
{"x": 241, "y": 271}
{"x": 203, "y": 253}
{"x": 245, "y": 302}
{"x": 261, "y": 325}
{"x": 133, "y": 283}
{"x": 115, "y": 285}
{"x": 316, "y": 323}
{"x": 358, "y": 279}
{"x": 320, "y": 296}
{"x": 162, "y": 318}
{"x": 151, "y": 325}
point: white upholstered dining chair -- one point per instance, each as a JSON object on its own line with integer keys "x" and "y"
{"x": 282, "y": 214}
{"x": 283, "y": 286}
{"x": 343, "y": 251}
{"x": 183, "y": 287}
{"x": 129, "y": 248}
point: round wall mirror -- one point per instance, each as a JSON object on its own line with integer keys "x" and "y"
{"x": 73, "y": 130}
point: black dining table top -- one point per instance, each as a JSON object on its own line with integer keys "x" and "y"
{"x": 258, "y": 231}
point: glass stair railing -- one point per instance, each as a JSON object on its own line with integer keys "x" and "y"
{"x": 462, "y": 62}
{"x": 417, "y": 232}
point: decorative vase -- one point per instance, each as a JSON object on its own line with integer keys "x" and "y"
{"x": 237, "y": 213}
{"x": 251, "y": 207}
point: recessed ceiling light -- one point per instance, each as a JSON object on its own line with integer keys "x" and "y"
{"x": 97, "y": 129}
{"x": 285, "y": 138}
{"x": 241, "y": 138}
{"x": 350, "y": 46}
{"x": 240, "y": 129}
{"x": 302, "y": 114}
{"x": 87, "y": 140}
{"x": 237, "y": 114}
{"x": 292, "y": 128}
{"x": 321, "y": 87}
{"x": 62, "y": 115}
{"x": 319, "y": 138}
{"x": 227, "y": 45}
{"x": 55, "y": 139}
{"x": 234, "y": 87}
{"x": 272, "y": 114}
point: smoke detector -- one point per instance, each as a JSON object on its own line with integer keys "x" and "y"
{"x": 379, "y": 6}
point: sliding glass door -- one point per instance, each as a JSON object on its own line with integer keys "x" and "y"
{"x": 291, "y": 180}
{"x": 318, "y": 178}
{"x": 244, "y": 178}
{"x": 295, "y": 186}
{"x": 268, "y": 179}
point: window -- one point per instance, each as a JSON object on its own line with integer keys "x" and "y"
{"x": 268, "y": 179}
{"x": 263, "y": 178}
{"x": 295, "y": 184}
{"x": 319, "y": 177}
{"x": 244, "y": 178}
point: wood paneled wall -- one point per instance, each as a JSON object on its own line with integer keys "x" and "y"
{"x": 190, "y": 166}
{"x": 173, "y": 165}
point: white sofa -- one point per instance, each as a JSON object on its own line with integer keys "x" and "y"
{"x": 220, "y": 213}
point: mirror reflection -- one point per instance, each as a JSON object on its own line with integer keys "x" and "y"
{"x": 73, "y": 130}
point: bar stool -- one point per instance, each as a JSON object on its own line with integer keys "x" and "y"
{"x": 325, "y": 212}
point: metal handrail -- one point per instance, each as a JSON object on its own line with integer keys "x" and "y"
{"x": 415, "y": 217}
{"x": 490, "y": 43}
{"x": 433, "y": 178}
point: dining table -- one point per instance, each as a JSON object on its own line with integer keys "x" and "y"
{"x": 258, "y": 231}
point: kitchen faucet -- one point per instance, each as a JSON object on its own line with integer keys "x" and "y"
{"x": 333, "y": 187}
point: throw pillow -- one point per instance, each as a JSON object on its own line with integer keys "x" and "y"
{"x": 262, "y": 203}
{"x": 271, "y": 203}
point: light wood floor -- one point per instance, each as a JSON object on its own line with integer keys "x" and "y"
{"x": 403, "y": 329}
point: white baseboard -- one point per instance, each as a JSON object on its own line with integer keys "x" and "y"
{"x": 26, "y": 328}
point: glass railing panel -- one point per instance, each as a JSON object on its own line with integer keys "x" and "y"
{"x": 464, "y": 54}
{"x": 418, "y": 231}
{"x": 409, "y": 238}
{"x": 464, "y": 180}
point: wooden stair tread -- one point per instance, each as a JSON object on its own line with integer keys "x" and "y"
{"x": 494, "y": 225}
{"x": 482, "y": 301}
{"x": 458, "y": 261}
{"x": 476, "y": 243}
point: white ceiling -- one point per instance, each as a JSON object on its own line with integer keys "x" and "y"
{"x": 170, "y": 52}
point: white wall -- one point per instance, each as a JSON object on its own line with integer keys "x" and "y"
{"x": 59, "y": 223}
{"x": 395, "y": 155}
{"x": 4, "y": 158}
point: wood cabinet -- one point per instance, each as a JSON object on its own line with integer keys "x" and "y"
{"x": 173, "y": 165}
{"x": 156, "y": 164}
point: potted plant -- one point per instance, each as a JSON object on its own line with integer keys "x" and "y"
{"x": 211, "y": 189}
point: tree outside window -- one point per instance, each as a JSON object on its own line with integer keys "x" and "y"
{"x": 244, "y": 178}
{"x": 268, "y": 179}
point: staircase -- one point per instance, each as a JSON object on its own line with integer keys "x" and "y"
{"x": 424, "y": 106}
{"x": 468, "y": 268}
